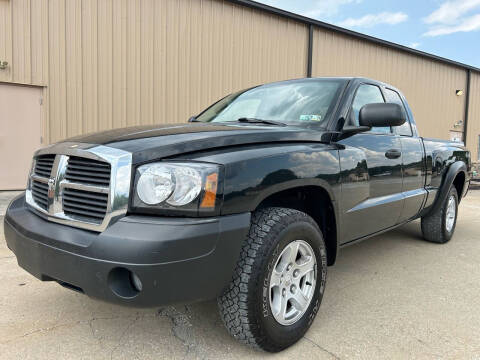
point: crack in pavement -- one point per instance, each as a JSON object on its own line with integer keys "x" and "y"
{"x": 119, "y": 343}
{"x": 182, "y": 329}
{"x": 72, "y": 323}
{"x": 321, "y": 348}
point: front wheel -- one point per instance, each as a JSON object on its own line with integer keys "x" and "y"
{"x": 279, "y": 280}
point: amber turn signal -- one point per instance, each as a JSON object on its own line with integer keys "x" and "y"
{"x": 208, "y": 201}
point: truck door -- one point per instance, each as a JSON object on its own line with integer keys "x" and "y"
{"x": 371, "y": 165}
{"x": 413, "y": 163}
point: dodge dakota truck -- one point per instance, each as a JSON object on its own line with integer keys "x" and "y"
{"x": 249, "y": 202}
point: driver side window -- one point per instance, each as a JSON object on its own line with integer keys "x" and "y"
{"x": 367, "y": 94}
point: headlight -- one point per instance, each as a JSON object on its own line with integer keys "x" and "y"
{"x": 156, "y": 184}
{"x": 188, "y": 184}
{"x": 185, "y": 188}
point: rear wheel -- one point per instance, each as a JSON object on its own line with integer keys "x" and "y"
{"x": 279, "y": 281}
{"x": 439, "y": 226}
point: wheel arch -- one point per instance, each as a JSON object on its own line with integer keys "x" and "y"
{"x": 456, "y": 175}
{"x": 459, "y": 183}
{"x": 317, "y": 202}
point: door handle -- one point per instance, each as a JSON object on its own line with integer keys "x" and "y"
{"x": 393, "y": 154}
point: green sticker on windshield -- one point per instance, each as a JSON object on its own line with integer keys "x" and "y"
{"x": 310, "y": 117}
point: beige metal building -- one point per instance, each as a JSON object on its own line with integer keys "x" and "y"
{"x": 69, "y": 67}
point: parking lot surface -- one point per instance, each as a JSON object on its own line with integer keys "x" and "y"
{"x": 392, "y": 296}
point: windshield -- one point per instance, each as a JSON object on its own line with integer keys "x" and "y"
{"x": 301, "y": 101}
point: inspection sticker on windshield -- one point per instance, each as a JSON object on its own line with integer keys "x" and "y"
{"x": 310, "y": 117}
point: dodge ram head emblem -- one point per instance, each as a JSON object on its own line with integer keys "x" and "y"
{"x": 51, "y": 188}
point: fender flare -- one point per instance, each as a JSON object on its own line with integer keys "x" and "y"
{"x": 301, "y": 183}
{"x": 452, "y": 172}
{"x": 294, "y": 184}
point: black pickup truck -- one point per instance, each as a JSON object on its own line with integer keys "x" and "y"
{"x": 248, "y": 203}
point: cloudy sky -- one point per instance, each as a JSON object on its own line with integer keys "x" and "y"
{"x": 446, "y": 28}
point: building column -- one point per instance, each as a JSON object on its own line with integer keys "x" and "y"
{"x": 467, "y": 105}
{"x": 310, "y": 51}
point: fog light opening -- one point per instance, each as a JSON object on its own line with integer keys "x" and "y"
{"x": 124, "y": 283}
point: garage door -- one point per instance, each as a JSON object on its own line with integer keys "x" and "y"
{"x": 20, "y": 133}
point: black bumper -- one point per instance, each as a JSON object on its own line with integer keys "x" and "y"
{"x": 176, "y": 259}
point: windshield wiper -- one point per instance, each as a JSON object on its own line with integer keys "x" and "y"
{"x": 260, "y": 121}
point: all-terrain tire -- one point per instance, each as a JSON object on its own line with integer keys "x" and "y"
{"x": 245, "y": 304}
{"x": 434, "y": 225}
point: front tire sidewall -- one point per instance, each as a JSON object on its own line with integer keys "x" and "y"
{"x": 283, "y": 335}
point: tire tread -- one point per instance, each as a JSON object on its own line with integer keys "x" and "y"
{"x": 433, "y": 224}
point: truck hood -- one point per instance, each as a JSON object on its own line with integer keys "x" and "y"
{"x": 147, "y": 143}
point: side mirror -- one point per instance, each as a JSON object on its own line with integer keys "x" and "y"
{"x": 192, "y": 119}
{"x": 381, "y": 115}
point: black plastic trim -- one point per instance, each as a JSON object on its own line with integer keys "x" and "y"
{"x": 442, "y": 192}
{"x": 176, "y": 260}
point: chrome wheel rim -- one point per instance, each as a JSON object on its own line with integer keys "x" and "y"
{"x": 450, "y": 214}
{"x": 292, "y": 282}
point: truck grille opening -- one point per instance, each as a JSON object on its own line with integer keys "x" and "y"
{"x": 40, "y": 194}
{"x": 85, "y": 205}
{"x": 44, "y": 165}
{"x": 88, "y": 171}
{"x": 75, "y": 185}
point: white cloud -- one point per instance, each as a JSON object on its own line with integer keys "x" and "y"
{"x": 371, "y": 20}
{"x": 414, "y": 45}
{"x": 468, "y": 24}
{"x": 328, "y": 8}
{"x": 453, "y": 16}
{"x": 450, "y": 11}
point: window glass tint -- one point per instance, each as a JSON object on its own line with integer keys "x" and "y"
{"x": 394, "y": 97}
{"x": 368, "y": 94}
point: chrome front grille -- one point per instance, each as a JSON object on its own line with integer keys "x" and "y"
{"x": 88, "y": 171}
{"x": 43, "y": 165}
{"x": 84, "y": 205}
{"x": 40, "y": 193}
{"x": 87, "y": 186}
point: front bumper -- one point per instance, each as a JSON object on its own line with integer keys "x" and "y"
{"x": 176, "y": 259}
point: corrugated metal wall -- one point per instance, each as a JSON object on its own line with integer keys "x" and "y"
{"x": 113, "y": 63}
{"x": 23, "y": 41}
{"x": 428, "y": 85}
{"x": 473, "y": 132}
{"x": 5, "y": 37}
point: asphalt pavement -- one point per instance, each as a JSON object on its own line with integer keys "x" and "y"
{"x": 393, "y": 296}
